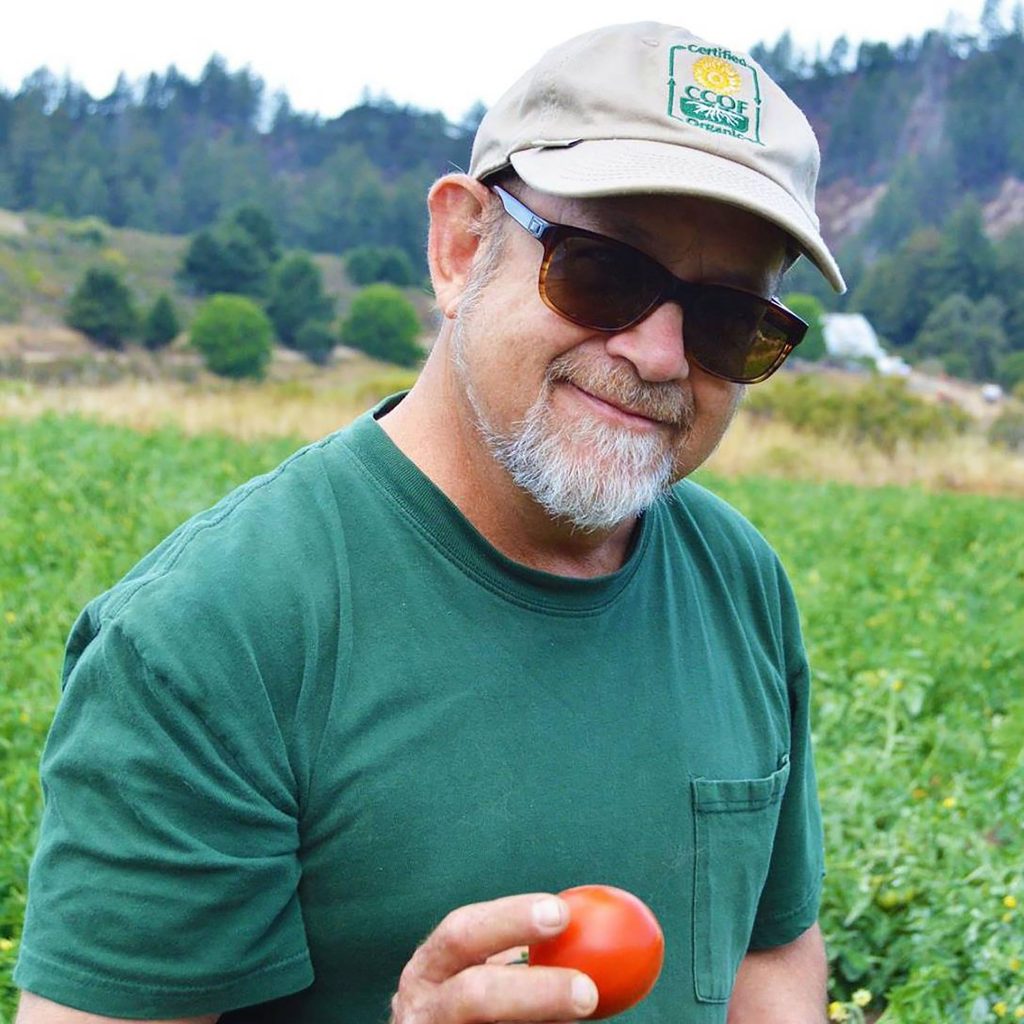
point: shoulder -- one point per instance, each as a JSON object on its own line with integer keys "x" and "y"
{"x": 239, "y": 597}
{"x": 735, "y": 564}
{"x": 708, "y": 520}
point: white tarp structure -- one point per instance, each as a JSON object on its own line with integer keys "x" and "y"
{"x": 851, "y": 336}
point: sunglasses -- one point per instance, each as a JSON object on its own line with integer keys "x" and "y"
{"x": 604, "y": 284}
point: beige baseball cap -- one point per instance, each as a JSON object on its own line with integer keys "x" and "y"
{"x": 655, "y": 109}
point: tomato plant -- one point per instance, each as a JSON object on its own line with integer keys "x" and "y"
{"x": 614, "y": 938}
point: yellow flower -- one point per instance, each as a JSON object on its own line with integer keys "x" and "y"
{"x": 1014, "y": 964}
{"x": 11, "y": 618}
{"x": 949, "y": 803}
{"x": 1010, "y": 902}
{"x": 897, "y": 685}
{"x": 1019, "y": 1013}
{"x": 23, "y": 718}
{"x": 838, "y": 1012}
{"x": 1000, "y": 1009}
{"x": 6, "y": 945}
{"x": 862, "y": 997}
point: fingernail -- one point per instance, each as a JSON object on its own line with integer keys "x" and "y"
{"x": 584, "y": 994}
{"x": 548, "y": 913}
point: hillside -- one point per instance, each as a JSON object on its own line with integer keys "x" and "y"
{"x": 921, "y": 190}
{"x": 42, "y": 258}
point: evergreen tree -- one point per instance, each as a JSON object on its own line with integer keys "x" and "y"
{"x": 161, "y": 326}
{"x": 315, "y": 341}
{"x": 966, "y": 260}
{"x": 255, "y": 222}
{"x": 967, "y": 336}
{"x": 296, "y": 297}
{"x": 103, "y": 308}
{"x": 226, "y": 259}
{"x": 899, "y": 291}
{"x": 367, "y": 264}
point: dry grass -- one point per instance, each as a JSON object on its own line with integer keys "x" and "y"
{"x": 303, "y": 409}
{"x": 309, "y": 408}
{"x": 966, "y": 463}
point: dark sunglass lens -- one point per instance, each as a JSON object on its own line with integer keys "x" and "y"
{"x": 599, "y": 283}
{"x": 733, "y": 334}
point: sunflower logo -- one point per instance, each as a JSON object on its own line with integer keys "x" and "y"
{"x": 717, "y": 75}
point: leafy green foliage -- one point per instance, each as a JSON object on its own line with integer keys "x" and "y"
{"x": 161, "y": 326}
{"x": 368, "y": 264}
{"x": 915, "y": 630}
{"x": 968, "y": 335}
{"x": 226, "y": 259}
{"x": 1010, "y": 371}
{"x": 258, "y": 226}
{"x": 881, "y": 411}
{"x": 1008, "y": 429}
{"x": 383, "y": 323}
{"x": 808, "y": 308}
{"x": 296, "y": 297}
{"x": 234, "y": 336}
{"x": 315, "y": 340}
{"x": 103, "y": 308}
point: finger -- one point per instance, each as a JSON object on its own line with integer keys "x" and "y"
{"x": 515, "y": 955}
{"x": 490, "y": 992}
{"x": 470, "y": 934}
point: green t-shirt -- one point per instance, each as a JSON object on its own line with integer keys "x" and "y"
{"x": 326, "y": 711}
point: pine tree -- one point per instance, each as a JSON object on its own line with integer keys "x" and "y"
{"x": 103, "y": 308}
{"x": 162, "y": 325}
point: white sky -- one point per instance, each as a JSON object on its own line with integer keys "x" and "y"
{"x": 435, "y": 54}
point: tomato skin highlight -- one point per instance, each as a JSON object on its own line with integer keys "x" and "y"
{"x": 613, "y": 937}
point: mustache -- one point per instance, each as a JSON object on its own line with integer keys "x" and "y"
{"x": 617, "y": 384}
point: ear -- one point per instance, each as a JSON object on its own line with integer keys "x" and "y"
{"x": 456, "y": 203}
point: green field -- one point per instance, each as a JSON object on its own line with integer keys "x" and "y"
{"x": 913, "y": 607}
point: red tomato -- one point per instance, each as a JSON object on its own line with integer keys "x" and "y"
{"x": 614, "y": 938}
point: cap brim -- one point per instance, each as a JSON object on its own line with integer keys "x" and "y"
{"x": 606, "y": 167}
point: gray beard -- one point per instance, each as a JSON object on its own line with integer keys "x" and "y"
{"x": 591, "y": 474}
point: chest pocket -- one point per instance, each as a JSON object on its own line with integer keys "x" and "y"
{"x": 734, "y": 830}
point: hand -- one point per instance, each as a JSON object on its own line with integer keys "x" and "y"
{"x": 464, "y": 972}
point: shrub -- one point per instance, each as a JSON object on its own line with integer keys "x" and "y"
{"x": 162, "y": 325}
{"x": 808, "y": 308}
{"x": 315, "y": 341}
{"x": 1010, "y": 371}
{"x": 297, "y": 296}
{"x": 1008, "y": 430}
{"x": 226, "y": 259}
{"x": 90, "y": 230}
{"x": 103, "y": 308}
{"x": 234, "y": 336}
{"x": 880, "y": 411}
{"x": 369, "y": 264}
{"x": 383, "y": 323}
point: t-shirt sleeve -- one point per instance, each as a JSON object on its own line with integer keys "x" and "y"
{"x": 165, "y": 881}
{"x": 791, "y": 895}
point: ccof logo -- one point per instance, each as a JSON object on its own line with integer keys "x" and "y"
{"x": 714, "y": 89}
{"x": 717, "y": 75}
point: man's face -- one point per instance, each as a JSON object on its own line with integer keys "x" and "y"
{"x": 596, "y": 425}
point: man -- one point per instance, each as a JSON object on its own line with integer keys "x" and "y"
{"x": 480, "y": 646}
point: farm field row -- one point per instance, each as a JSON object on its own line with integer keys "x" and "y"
{"x": 913, "y": 608}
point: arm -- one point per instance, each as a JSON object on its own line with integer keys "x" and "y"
{"x": 35, "y": 1009}
{"x": 783, "y": 985}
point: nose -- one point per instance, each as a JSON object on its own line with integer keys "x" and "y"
{"x": 655, "y": 345}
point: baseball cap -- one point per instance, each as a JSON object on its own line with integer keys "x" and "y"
{"x": 651, "y": 108}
